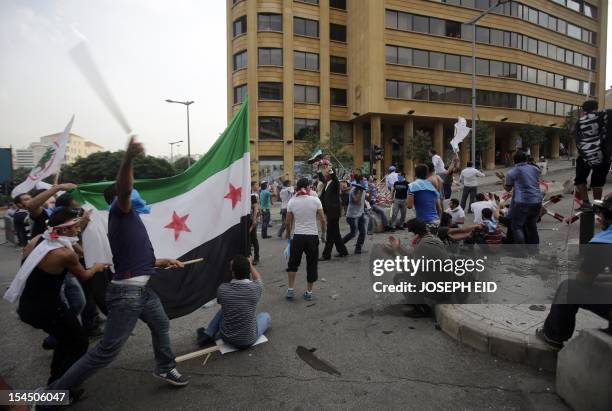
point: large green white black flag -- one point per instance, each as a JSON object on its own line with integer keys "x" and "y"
{"x": 201, "y": 213}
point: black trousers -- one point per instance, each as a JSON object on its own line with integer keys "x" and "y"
{"x": 64, "y": 326}
{"x": 333, "y": 238}
{"x": 254, "y": 242}
{"x": 304, "y": 244}
{"x": 561, "y": 320}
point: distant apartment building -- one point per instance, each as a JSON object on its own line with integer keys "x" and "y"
{"x": 77, "y": 147}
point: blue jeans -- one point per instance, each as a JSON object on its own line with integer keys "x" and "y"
{"x": 73, "y": 296}
{"x": 126, "y": 304}
{"x": 525, "y": 223}
{"x": 356, "y": 224}
{"x": 263, "y": 323}
{"x": 265, "y": 221}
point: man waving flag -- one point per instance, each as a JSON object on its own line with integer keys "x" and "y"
{"x": 201, "y": 213}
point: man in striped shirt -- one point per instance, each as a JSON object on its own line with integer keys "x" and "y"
{"x": 236, "y": 323}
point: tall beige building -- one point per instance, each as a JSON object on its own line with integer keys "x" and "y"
{"x": 381, "y": 69}
{"x": 77, "y": 146}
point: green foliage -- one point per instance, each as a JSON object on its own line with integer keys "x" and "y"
{"x": 483, "y": 137}
{"x": 532, "y": 134}
{"x": 334, "y": 149}
{"x": 418, "y": 147}
{"x": 20, "y": 174}
{"x": 180, "y": 164}
{"x": 103, "y": 166}
{"x": 566, "y": 133}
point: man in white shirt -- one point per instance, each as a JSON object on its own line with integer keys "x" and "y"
{"x": 391, "y": 178}
{"x": 469, "y": 177}
{"x": 456, "y": 212}
{"x": 438, "y": 163}
{"x": 285, "y": 195}
{"x": 302, "y": 212}
{"x": 480, "y": 204}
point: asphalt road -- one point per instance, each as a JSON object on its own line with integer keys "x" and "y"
{"x": 376, "y": 357}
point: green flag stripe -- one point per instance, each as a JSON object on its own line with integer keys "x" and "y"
{"x": 229, "y": 147}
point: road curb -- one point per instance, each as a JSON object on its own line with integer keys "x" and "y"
{"x": 510, "y": 345}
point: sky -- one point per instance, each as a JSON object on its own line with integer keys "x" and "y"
{"x": 147, "y": 51}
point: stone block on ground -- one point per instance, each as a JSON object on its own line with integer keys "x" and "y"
{"x": 584, "y": 371}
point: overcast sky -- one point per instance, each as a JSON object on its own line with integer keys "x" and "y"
{"x": 147, "y": 50}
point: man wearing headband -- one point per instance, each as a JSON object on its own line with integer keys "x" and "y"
{"x": 48, "y": 258}
{"x": 128, "y": 297}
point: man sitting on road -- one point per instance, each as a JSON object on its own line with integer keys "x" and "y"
{"x": 236, "y": 323}
{"x": 480, "y": 204}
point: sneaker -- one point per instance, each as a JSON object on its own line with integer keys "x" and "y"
{"x": 307, "y": 296}
{"x": 360, "y": 251}
{"x": 172, "y": 377}
{"x": 290, "y": 294}
{"x": 341, "y": 255}
{"x": 202, "y": 338}
{"x": 540, "y": 334}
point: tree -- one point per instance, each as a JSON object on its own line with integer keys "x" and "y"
{"x": 180, "y": 165}
{"x": 566, "y": 133}
{"x": 532, "y": 134}
{"x": 418, "y": 147}
{"x": 103, "y": 166}
{"x": 333, "y": 148}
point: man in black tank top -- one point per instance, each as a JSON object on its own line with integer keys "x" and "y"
{"x": 40, "y": 304}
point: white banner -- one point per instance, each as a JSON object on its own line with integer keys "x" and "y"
{"x": 461, "y": 132}
{"x": 49, "y": 164}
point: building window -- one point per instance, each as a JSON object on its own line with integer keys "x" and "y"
{"x": 270, "y": 57}
{"x": 240, "y": 93}
{"x": 305, "y": 128}
{"x": 338, "y": 97}
{"x": 240, "y": 60}
{"x": 420, "y": 58}
{"x": 305, "y": 27}
{"x": 337, "y": 32}
{"x": 270, "y": 91}
{"x": 310, "y": 1}
{"x": 482, "y": 67}
{"x": 306, "y": 94}
{"x": 420, "y": 23}
{"x": 269, "y": 22}
{"x": 436, "y": 60}
{"x": 343, "y": 131}
{"x": 270, "y": 128}
{"x": 306, "y": 61}
{"x": 452, "y": 62}
{"x": 437, "y": 26}
{"x": 337, "y": 64}
{"x": 420, "y": 91}
{"x": 240, "y": 26}
{"x": 338, "y": 4}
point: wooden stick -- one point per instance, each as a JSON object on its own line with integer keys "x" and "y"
{"x": 198, "y": 353}
{"x": 197, "y": 260}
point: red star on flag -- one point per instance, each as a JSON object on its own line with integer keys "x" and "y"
{"x": 235, "y": 194}
{"x": 178, "y": 224}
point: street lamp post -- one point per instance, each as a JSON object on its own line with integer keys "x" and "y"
{"x": 172, "y": 151}
{"x": 186, "y": 104}
{"x": 473, "y": 24}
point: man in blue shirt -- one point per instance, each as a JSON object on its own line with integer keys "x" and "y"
{"x": 423, "y": 197}
{"x": 355, "y": 216}
{"x": 265, "y": 201}
{"x": 524, "y": 182}
{"x": 128, "y": 297}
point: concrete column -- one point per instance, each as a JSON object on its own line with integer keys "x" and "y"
{"x": 288, "y": 141}
{"x": 535, "y": 152}
{"x": 375, "y": 123}
{"x": 408, "y": 135}
{"x": 573, "y": 150}
{"x": 554, "y": 146}
{"x": 464, "y": 151}
{"x": 489, "y": 155}
{"x": 388, "y": 147}
{"x": 438, "y": 138}
{"x": 514, "y": 135}
{"x": 358, "y": 144}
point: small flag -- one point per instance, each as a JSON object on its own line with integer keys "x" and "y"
{"x": 461, "y": 132}
{"x": 49, "y": 163}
